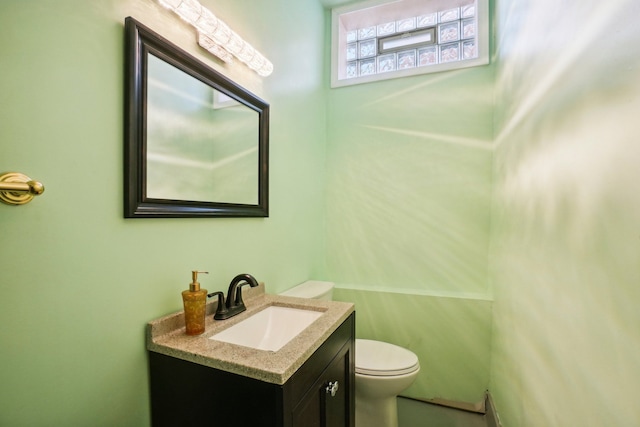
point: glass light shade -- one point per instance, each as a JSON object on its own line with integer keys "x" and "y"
{"x": 207, "y": 22}
{"x": 170, "y": 4}
{"x": 222, "y": 34}
{"x": 256, "y": 62}
{"x": 211, "y": 46}
{"x": 247, "y": 53}
{"x": 189, "y": 10}
{"x": 235, "y": 44}
{"x": 265, "y": 69}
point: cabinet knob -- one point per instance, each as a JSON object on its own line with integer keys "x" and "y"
{"x": 332, "y": 388}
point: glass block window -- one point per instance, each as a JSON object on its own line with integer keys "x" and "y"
{"x": 379, "y": 40}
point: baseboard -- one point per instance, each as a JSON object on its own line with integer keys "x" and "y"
{"x": 491, "y": 414}
{"x": 485, "y": 407}
{"x": 476, "y": 408}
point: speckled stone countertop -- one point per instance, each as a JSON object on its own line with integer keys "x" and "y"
{"x": 166, "y": 335}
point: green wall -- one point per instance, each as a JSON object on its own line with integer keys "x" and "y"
{"x": 78, "y": 282}
{"x": 409, "y": 181}
{"x": 565, "y": 256}
{"x": 409, "y": 167}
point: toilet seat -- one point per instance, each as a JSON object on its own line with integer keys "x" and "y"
{"x": 382, "y": 359}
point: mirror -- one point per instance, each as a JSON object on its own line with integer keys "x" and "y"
{"x": 196, "y": 143}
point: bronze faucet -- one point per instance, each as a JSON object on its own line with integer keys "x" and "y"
{"x": 234, "y": 304}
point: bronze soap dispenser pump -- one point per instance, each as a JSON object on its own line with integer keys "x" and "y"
{"x": 195, "y": 302}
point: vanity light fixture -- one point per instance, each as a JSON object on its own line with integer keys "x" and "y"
{"x": 216, "y": 37}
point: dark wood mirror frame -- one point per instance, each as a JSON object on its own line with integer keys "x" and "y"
{"x": 140, "y": 42}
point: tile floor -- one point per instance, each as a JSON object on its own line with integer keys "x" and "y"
{"x": 413, "y": 413}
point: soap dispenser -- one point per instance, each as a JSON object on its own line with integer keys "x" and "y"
{"x": 195, "y": 301}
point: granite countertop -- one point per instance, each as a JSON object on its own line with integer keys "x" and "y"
{"x": 166, "y": 336}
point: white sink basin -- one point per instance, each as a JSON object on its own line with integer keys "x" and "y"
{"x": 269, "y": 329}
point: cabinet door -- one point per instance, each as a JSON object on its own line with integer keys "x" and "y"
{"x": 334, "y": 394}
{"x": 327, "y": 402}
{"x": 185, "y": 394}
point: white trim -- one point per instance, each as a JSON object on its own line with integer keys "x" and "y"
{"x": 421, "y": 292}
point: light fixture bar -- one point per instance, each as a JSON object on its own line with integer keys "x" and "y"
{"x": 216, "y": 37}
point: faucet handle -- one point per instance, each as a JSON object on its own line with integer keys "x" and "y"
{"x": 238, "y": 300}
{"x": 221, "y": 310}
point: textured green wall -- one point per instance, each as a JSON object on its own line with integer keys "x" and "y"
{"x": 409, "y": 181}
{"x": 409, "y": 166}
{"x": 77, "y": 281}
{"x": 566, "y": 243}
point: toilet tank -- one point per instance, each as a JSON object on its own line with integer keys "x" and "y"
{"x": 312, "y": 289}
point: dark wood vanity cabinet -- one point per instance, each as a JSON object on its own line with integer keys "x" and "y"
{"x": 319, "y": 394}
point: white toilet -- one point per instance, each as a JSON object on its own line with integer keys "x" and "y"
{"x": 383, "y": 370}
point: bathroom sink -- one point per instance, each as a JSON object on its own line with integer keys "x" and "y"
{"x": 269, "y": 329}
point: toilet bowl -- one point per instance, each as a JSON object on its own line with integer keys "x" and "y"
{"x": 383, "y": 370}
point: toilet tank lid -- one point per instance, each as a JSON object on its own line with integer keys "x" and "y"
{"x": 309, "y": 289}
{"x": 382, "y": 358}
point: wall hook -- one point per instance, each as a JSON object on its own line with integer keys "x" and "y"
{"x": 18, "y": 189}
